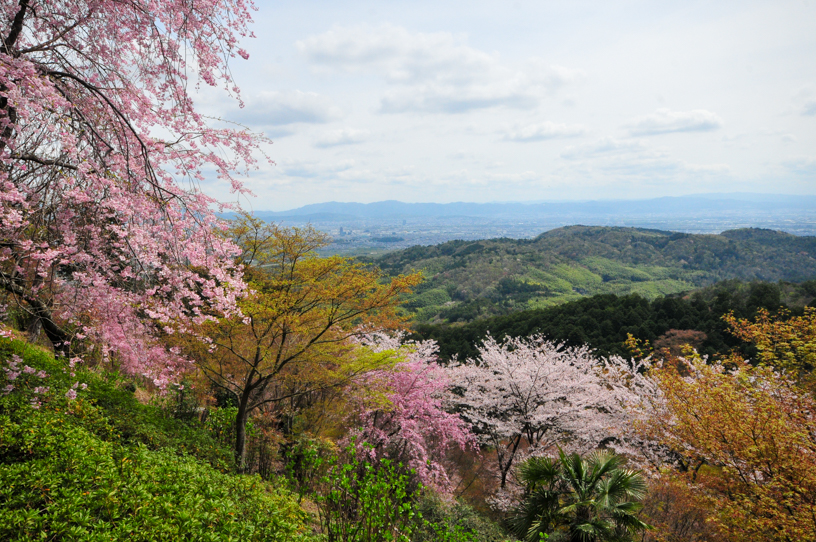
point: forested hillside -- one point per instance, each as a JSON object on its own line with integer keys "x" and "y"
{"x": 468, "y": 280}
{"x": 603, "y": 321}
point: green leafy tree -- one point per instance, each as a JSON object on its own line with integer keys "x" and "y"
{"x": 573, "y": 499}
{"x": 365, "y": 501}
{"x": 291, "y": 337}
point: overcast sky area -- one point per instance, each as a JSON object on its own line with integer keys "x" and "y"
{"x": 526, "y": 101}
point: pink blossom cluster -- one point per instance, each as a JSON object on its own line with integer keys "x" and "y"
{"x": 413, "y": 426}
{"x": 72, "y": 393}
{"x": 103, "y": 226}
{"x": 13, "y": 371}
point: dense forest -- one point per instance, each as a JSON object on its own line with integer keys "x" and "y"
{"x": 474, "y": 279}
{"x": 604, "y": 321}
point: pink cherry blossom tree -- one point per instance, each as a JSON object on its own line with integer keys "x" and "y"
{"x": 103, "y": 229}
{"x": 526, "y": 395}
{"x": 412, "y": 426}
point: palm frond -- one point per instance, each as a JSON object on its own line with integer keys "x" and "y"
{"x": 538, "y": 471}
{"x": 590, "y": 499}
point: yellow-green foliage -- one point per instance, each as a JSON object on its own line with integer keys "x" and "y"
{"x": 429, "y": 298}
{"x": 545, "y": 302}
{"x": 579, "y": 277}
{"x": 612, "y": 270}
{"x": 551, "y": 282}
{"x": 653, "y": 289}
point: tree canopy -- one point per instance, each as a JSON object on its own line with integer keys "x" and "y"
{"x": 747, "y": 434}
{"x": 291, "y": 334}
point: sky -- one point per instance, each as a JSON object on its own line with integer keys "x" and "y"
{"x": 487, "y": 101}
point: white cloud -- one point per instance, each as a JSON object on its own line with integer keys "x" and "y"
{"x": 342, "y": 136}
{"x": 634, "y": 158}
{"x": 309, "y": 169}
{"x": 802, "y": 166}
{"x": 434, "y": 72}
{"x": 606, "y": 145}
{"x": 542, "y": 131}
{"x": 494, "y": 181}
{"x": 462, "y": 155}
{"x": 653, "y": 167}
{"x": 708, "y": 168}
{"x": 805, "y": 101}
{"x": 657, "y": 167}
{"x": 664, "y": 121}
{"x": 283, "y": 108}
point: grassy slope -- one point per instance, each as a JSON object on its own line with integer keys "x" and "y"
{"x": 105, "y": 467}
{"x": 468, "y": 280}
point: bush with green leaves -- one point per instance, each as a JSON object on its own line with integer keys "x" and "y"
{"x": 444, "y": 520}
{"x": 68, "y": 471}
{"x": 363, "y": 500}
{"x": 117, "y": 414}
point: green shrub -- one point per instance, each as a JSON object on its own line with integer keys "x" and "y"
{"x": 361, "y": 501}
{"x": 69, "y": 470}
{"x": 452, "y": 521}
{"x": 428, "y": 298}
{"x": 117, "y": 414}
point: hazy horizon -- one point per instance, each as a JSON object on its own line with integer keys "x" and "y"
{"x": 353, "y": 225}
{"x": 717, "y": 196}
{"x": 525, "y": 101}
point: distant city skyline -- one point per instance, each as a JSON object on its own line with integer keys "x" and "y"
{"x": 527, "y": 101}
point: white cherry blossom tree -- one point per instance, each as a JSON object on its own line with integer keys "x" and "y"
{"x": 525, "y": 396}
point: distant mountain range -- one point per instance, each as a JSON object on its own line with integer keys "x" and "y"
{"x": 665, "y": 206}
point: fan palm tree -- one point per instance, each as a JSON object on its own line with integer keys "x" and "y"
{"x": 573, "y": 499}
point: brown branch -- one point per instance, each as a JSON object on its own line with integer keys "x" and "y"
{"x": 46, "y": 45}
{"x": 44, "y": 161}
{"x": 154, "y": 182}
{"x": 16, "y": 29}
{"x": 57, "y": 336}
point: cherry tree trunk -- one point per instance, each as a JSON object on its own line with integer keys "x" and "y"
{"x": 240, "y": 432}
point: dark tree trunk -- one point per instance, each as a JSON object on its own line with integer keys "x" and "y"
{"x": 41, "y": 312}
{"x": 240, "y": 431}
{"x": 34, "y": 329}
{"x": 8, "y": 46}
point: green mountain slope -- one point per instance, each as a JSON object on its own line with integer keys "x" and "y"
{"x": 603, "y": 321}
{"x": 466, "y": 280}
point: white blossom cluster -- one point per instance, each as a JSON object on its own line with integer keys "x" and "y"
{"x": 528, "y": 396}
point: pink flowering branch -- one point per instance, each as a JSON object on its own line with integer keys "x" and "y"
{"x": 99, "y": 237}
{"x": 413, "y": 427}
